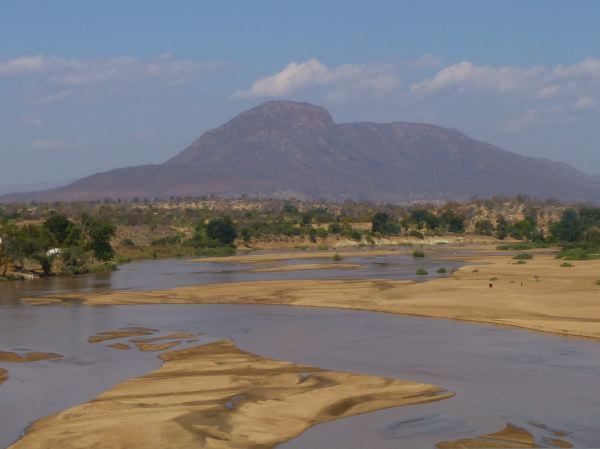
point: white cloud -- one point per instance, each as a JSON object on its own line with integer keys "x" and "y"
{"x": 343, "y": 81}
{"x": 466, "y": 76}
{"x": 55, "y": 144}
{"x": 62, "y": 78}
{"x": 21, "y": 66}
{"x": 538, "y": 95}
{"x": 33, "y": 123}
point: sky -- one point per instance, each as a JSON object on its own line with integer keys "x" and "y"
{"x": 90, "y": 86}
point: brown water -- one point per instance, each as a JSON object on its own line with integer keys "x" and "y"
{"x": 499, "y": 375}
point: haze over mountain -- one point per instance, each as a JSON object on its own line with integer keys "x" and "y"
{"x": 284, "y": 148}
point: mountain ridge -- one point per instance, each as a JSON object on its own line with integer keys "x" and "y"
{"x": 284, "y": 148}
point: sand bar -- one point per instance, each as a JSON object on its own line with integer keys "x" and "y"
{"x": 14, "y": 357}
{"x": 217, "y": 396}
{"x": 3, "y": 376}
{"x": 307, "y": 266}
{"x": 539, "y": 295}
{"x": 278, "y": 257}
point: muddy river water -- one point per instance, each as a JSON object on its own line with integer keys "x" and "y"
{"x": 500, "y": 375}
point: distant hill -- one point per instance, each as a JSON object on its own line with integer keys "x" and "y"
{"x": 284, "y": 148}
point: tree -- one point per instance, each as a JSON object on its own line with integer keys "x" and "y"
{"x": 223, "y": 230}
{"x": 454, "y": 222}
{"x": 59, "y": 226}
{"x": 484, "y": 227}
{"x": 423, "y": 218}
{"x": 502, "y": 228}
{"x": 592, "y": 236}
{"x": 569, "y": 228}
{"x": 100, "y": 233}
{"x": 382, "y": 224}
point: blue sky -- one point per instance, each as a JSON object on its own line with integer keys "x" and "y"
{"x": 88, "y": 86}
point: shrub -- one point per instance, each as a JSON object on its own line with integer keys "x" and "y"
{"x": 128, "y": 243}
{"x": 322, "y": 247}
{"x": 520, "y": 262}
{"x": 598, "y": 282}
{"x": 442, "y": 270}
{"x": 337, "y": 257}
{"x": 493, "y": 279}
{"x": 422, "y": 272}
{"x": 417, "y": 253}
{"x": 417, "y": 234}
{"x": 566, "y": 265}
{"x": 523, "y": 256}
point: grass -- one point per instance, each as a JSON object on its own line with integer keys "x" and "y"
{"x": 598, "y": 282}
{"x": 493, "y": 279}
{"x": 441, "y": 270}
{"x": 337, "y": 257}
{"x": 523, "y": 256}
{"x": 422, "y": 272}
{"x": 522, "y": 246}
{"x": 322, "y": 247}
{"x": 520, "y": 262}
{"x": 418, "y": 253}
{"x": 566, "y": 265}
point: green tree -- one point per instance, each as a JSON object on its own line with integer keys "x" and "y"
{"x": 223, "y": 230}
{"x": 382, "y": 224}
{"x": 100, "y": 233}
{"x": 569, "y": 228}
{"x": 59, "y": 226}
{"x": 484, "y": 227}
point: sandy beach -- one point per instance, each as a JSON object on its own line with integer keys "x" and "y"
{"x": 217, "y": 396}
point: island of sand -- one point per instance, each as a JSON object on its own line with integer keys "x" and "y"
{"x": 538, "y": 295}
{"x": 15, "y": 357}
{"x": 217, "y": 396}
{"x": 3, "y": 376}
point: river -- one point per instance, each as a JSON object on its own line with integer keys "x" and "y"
{"x": 499, "y": 375}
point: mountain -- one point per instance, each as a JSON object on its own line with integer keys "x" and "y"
{"x": 284, "y": 148}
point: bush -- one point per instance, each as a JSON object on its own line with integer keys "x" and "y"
{"x": 598, "y": 282}
{"x": 417, "y": 234}
{"x": 442, "y": 270}
{"x": 520, "y": 262}
{"x": 422, "y": 272}
{"x": 417, "y": 253}
{"x": 127, "y": 243}
{"x": 337, "y": 257}
{"x": 566, "y": 265}
{"x": 168, "y": 240}
{"x": 222, "y": 230}
{"x": 523, "y": 256}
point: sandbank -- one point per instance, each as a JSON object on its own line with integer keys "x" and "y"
{"x": 217, "y": 396}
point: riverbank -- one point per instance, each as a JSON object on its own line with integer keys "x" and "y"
{"x": 218, "y": 396}
{"x": 540, "y": 294}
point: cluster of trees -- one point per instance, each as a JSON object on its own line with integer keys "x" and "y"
{"x": 418, "y": 220}
{"x": 525, "y": 229}
{"x": 75, "y": 245}
{"x": 578, "y": 226}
